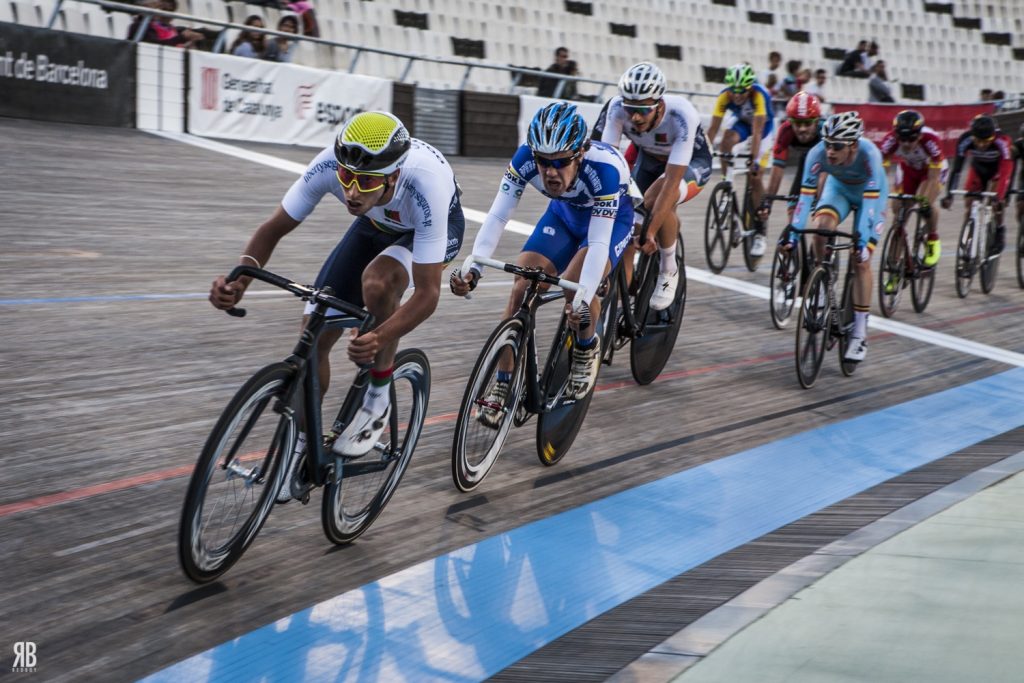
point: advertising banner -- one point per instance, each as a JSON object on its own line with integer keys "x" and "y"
{"x": 250, "y": 99}
{"x": 948, "y": 120}
{"x": 58, "y": 76}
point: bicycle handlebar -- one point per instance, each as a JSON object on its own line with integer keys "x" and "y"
{"x": 730, "y": 155}
{"x": 301, "y": 291}
{"x": 528, "y": 273}
{"x": 965, "y": 193}
{"x": 778, "y": 197}
{"x": 824, "y": 233}
{"x": 904, "y": 195}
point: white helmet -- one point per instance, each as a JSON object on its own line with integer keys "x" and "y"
{"x": 844, "y": 127}
{"x": 642, "y": 81}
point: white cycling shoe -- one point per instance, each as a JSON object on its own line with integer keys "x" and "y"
{"x": 857, "y": 349}
{"x": 758, "y": 246}
{"x": 664, "y": 291}
{"x": 361, "y": 435}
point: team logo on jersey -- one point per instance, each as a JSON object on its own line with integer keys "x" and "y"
{"x": 548, "y": 230}
{"x": 661, "y": 138}
{"x": 392, "y": 216}
{"x": 816, "y": 167}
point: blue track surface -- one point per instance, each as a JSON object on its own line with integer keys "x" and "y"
{"x": 469, "y": 614}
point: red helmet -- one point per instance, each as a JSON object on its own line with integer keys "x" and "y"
{"x": 803, "y": 105}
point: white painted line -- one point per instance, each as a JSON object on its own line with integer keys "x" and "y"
{"x": 113, "y": 539}
{"x": 696, "y": 274}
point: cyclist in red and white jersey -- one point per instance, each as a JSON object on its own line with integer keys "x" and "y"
{"x": 922, "y": 169}
{"x": 798, "y": 133}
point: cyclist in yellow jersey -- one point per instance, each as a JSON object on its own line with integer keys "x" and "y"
{"x": 751, "y": 104}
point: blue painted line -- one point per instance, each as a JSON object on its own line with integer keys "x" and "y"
{"x": 469, "y": 614}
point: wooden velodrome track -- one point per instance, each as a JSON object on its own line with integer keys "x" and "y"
{"x": 104, "y": 403}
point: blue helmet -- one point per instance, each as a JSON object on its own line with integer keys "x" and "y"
{"x": 557, "y": 128}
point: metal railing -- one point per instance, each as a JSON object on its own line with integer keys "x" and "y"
{"x": 516, "y": 73}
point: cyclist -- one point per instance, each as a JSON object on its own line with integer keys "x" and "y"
{"x": 673, "y": 164}
{"x": 799, "y": 132}
{"x": 1018, "y": 150}
{"x": 408, "y": 225}
{"x": 991, "y": 166}
{"x": 855, "y": 181}
{"x": 921, "y": 171}
{"x": 581, "y": 235}
{"x": 751, "y": 105}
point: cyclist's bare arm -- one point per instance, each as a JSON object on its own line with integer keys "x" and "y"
{"x": 257, "y": 252}
{"x": 716, "y": 121}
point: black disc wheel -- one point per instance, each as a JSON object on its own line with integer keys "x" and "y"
{"x": 651, "y": 349}
{"x": 235, "y": 481}
{"x": 1020, "y": 254}
{"x": 989, "y": 262}
{"x": 718, "y": 225}
{"x": 812, "y": 330}
{"x": 844, "y": 321}
{"x": 363, "y": 485}
{"x": 562, "y": 416}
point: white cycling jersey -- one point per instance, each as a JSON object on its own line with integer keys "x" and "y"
{"x": 425, "y": 193}
{"x": 673, "y": 137}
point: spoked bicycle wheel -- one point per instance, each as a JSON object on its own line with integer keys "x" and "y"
{"x": 812, "y": 330}
{"x": 784, "y": 284}
{"x": 651, "y": 349}
{"x": 365, "y": 484}
{"x": 718, "y": 227}
{"x": 964, "y": 263}
{"x": 560, "y": 422}
{"x": 483, "y": 423}
{"x": 233, "y": 487}
{"x": 843, "y": 318}
{"x": 989, "y": 262}
{"x": 892, "y": 271}
{"x": 923, "y": 281}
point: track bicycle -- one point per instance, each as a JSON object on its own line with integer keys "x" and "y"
{"x": 727, "y": 222}
{"x": 826, "y": 318}
{"x": 627, "y": 316}
{"x": 534, "y": 389}
{"x": 242, "y": 465}
{"x": 972, "y": 249}
{"x": 902, "y": 261}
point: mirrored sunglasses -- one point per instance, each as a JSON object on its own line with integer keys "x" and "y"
{"x": 641, "y": 109}
{"x": 365, "y": 182}
{"x": 803, "y": 122}
{"x": 837, "y": 146}
{"x": 990, "y": 138}
{"x": 555, "y": 163}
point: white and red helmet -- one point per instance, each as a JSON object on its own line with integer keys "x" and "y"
{"x": 803, "y": 105}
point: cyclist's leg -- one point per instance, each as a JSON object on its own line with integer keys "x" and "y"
{"x": 972, "y": 183}
{"x": 732, "y": 137}
{"x": 997, "y": 217}
{"x": 833, "y": 207}
{"x": 870, "y": 224}
{"x": 758, "y": 167}
{"x": 646, "y": 172}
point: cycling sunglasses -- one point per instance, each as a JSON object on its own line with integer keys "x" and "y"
{"x": 739, "y": 91}
{"x": 803, "y": 122}
{"x": 838, "y": 146}
{"x": 555, "y": 163}
{"x": 990, "y": 138}
{"x": 365, "y": 182}
{"x": 641, "y": 109}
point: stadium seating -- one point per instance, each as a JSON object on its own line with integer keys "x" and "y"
{"x": 952, "y": 50}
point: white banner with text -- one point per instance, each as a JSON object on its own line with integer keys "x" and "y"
{"x": 250, "y": 99}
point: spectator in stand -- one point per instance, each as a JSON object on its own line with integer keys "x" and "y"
{"x": 817, "y": 86}
{"x": 771, "y": 74}
{"x": 986, "y": 94}
{"x": 562, "y": 65}
{"x": 869, "y": 55}
{"x": 161, "y": 31}
{"x": 279, "y": 49}
{"x": 307, "y": 17}
{"x": 999, "y": 97}
{"x": 853, "y": 65}
{"x": 250, "y": 44}
{"x": 791, "y": 83}
{"x": 878, "y": 86}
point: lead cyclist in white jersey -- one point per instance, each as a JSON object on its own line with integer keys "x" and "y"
{"x": 674, "y": 162}
{"x": 408, "y": 225}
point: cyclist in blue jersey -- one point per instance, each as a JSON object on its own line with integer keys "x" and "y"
{"x": 855, "y": 181}
{"x": 581, "y": 235}
{"x": 751, "y": 105}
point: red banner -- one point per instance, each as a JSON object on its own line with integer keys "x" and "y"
{"x": 949, "y": 121}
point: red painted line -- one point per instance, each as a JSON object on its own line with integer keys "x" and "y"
{"x": 976, "y": 316}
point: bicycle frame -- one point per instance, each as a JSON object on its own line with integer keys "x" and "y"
{"x": 981, "y": 214}
{"x": 322, "y": 467}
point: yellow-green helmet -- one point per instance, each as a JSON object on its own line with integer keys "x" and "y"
{"x": 372, "y": 141}
{"x": 740, "y": 76}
